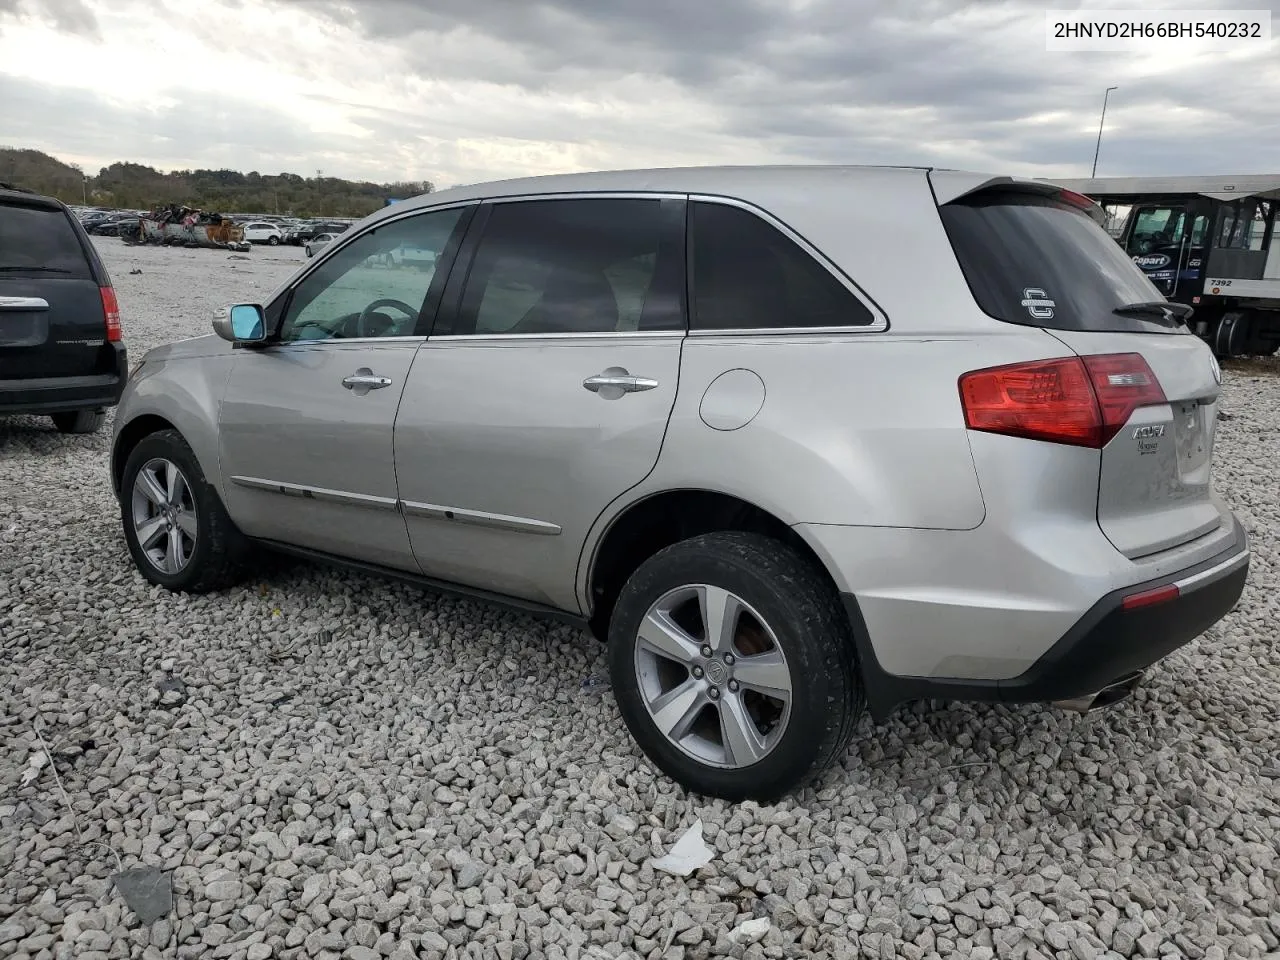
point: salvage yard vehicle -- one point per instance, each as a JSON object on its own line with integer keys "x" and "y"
{"x": 711, "y": 415}
{"x": 62, "y": 351}
{"x": 319, "y": 242}
{"x": 177, "y": 225}
{"x": 1209, "y": 243}
{"x": 259, "y": 231}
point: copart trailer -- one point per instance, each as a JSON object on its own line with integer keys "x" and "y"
{"x": 1208, "y": 242}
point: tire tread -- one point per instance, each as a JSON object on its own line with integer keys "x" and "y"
{"x": 223, "y": 561}
{"x": 814, "y": 598}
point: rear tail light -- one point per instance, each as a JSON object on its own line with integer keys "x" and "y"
{"x": 1083, "y": 401}
{"x": 111, "y": 310}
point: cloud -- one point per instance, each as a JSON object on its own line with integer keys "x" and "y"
{"x": 72, "y": 16}
{"x": 459, "y": 90}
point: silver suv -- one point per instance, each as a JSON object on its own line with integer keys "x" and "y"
{"x": 795, "y": 441}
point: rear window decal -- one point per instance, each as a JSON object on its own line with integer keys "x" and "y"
{"x": 1038, "y": 303}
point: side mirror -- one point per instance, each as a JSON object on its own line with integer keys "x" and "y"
{"x": 243, "y": 323}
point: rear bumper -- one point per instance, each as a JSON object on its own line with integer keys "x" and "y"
{"x": 1105, "y": 645}
{"x": 61, "y": 394}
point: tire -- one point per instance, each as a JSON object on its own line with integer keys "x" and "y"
{"x": 214, "y": 556}
{"x": 78, "y": 421}
{"x": 806, "y": 638}
{"x": 1232, "y": 335}
{"x": 273, "y": 241}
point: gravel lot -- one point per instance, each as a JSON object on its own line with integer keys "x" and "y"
{"x": 363, "y": 770}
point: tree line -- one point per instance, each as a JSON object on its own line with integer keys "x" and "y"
{"x": 135, "y": 186}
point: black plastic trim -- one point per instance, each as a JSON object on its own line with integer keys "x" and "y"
{"x": 66, "y": 394}
{"x": 1105, "y": 645}
{"x": 530, "y": 607}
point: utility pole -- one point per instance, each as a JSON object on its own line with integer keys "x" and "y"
{"x": 1100, "y": 124}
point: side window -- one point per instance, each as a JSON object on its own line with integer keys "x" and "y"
{"x": 748, "y": 275}
{"x": 1197, "y": 232}
{"x": 370, "y": 288}
{"x": 576, "y": 266}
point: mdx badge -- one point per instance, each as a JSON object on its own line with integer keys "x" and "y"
{"x": 1152, "y": 431}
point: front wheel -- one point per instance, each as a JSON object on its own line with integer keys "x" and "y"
{"x": 177, "y": 530}
{"x": 273, "y": 241}
{"x": 733, "y": 665}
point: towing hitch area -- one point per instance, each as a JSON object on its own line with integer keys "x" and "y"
{"x": 1108, "y": 696}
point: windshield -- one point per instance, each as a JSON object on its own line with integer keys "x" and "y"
{"x": 1040, "y": 261}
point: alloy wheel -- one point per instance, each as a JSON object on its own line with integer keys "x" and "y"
{"x": 713, "y": 676}
{"x": 164, "y": 515}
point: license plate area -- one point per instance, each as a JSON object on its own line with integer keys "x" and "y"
{"x": 23, "y": 329}
{"x": 1192, "y": 436}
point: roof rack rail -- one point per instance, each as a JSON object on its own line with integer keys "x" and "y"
{"x": 5, "y": 185}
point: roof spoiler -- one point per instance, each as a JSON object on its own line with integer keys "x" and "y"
{"x": 952, "y": 185}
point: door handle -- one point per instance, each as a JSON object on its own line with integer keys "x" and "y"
{"x": 366, "y": 380}
{"x": 616, "y": 381}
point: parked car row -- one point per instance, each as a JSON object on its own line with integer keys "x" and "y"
{"x": 273, "y": 231}
{"x": 105, "y": 223}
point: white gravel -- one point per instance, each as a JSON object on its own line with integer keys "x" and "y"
{"x": 362, "y": 770}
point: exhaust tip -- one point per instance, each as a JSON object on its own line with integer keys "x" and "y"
{"x": 1108, "y": 696}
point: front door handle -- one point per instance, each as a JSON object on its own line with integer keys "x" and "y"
{"x": 364, "y": 380}
{"x": 616, "y": 381}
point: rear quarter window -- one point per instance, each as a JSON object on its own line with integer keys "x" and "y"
{"x": 1039, "y": 261}
{"x": 747, "y": 275}
{"x": 40, "y": 242}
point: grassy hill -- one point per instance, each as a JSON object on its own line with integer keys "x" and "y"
{"x": 135, "y": 186}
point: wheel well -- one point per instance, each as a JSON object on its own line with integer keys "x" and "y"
{"x": 667, "y": 518}
{"x": 131, "y": 434}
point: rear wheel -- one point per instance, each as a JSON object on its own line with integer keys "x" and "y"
{"x": 178, "y": 532}
{"x": 733, "y": 665}
{"x": 78, "y": 421}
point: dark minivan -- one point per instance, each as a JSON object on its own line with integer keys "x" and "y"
{"x": 61, "y": 348}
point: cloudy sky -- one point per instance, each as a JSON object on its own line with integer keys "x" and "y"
{"x": 458, "y": 91}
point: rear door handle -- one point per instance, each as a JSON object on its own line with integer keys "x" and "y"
{"x": 367, "y": 381}
{"x": 616, "y": 381}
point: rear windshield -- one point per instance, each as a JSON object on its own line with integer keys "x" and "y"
{"x": 39, "y": 242}
{"x": 1040, "y": 261}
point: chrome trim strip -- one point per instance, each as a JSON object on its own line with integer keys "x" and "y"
{"x": 317, "y": 493}
{"x": 23, "y": 303}
{"x": 332, "y": 340}
{"x": 600, "y": 335}
{"x": 881, "y": 322}
{"x": 788, "y": 331}
{"x": 1230, "y": 565}
{"x": 580, "y": 194}
{"x": 479, "y": 518}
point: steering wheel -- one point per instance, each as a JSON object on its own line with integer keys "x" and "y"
{"x": 363, "y": 320}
